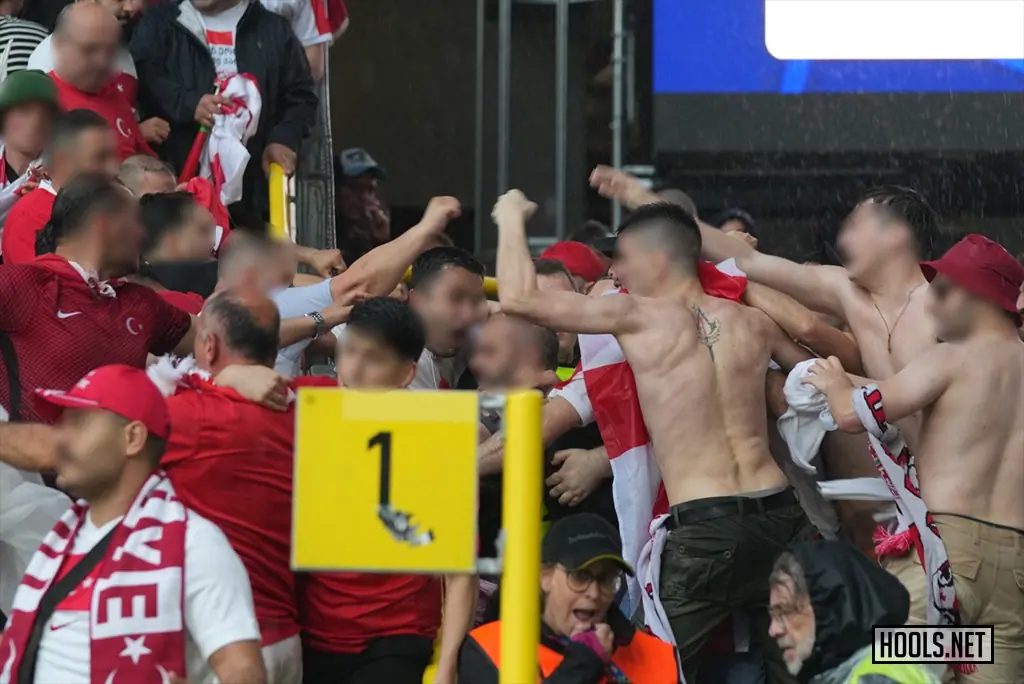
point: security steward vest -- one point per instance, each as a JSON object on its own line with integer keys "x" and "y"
{"x": 867, "y": 672}
{"x": 645, "y": 659}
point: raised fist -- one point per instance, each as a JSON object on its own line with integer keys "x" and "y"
{"x": 440, "y": 211}
{"x": 513, "y": 204}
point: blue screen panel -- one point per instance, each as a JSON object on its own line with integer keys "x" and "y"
{"x": 717, "y": 46}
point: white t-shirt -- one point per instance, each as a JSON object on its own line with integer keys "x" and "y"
{"x": 302, "y": 15}
{"x": 218, "y": 607}
{"x": 293, "y": 302}
{"x": 432, "y": 371}
{"x": 220, "y": 37}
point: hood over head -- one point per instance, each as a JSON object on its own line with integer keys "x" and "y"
{"x": 850, "y": 594}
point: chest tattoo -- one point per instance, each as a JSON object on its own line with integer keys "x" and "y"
{"x": 709, "y": 329}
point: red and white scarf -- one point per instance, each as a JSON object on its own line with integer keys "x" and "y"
{"x": 915, "y": 527}
{"x": 138, "y": 597}
{"x": 226, "y": 156}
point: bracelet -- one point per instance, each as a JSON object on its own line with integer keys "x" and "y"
{"x": 318, "y": 323}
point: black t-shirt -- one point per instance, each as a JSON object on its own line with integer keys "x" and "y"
{"x": 600, "y": 502}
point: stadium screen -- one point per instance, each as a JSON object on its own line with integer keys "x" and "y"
{"x": 814, "y": 76}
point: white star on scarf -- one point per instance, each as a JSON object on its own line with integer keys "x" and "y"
{"x": 135, "y": 649}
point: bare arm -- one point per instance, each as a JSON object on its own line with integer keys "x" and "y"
{"x": 557, "y": 417}
{"x": 378, "y": 272}
{"x": 803, "y": 325}
{"x": 914, "y": 388}
{"x": 818, "y": 287}
{"x": 460, "y": 596}
{"x": 518, "y": 294}
{"x": 28, "y": 446}
{"x": 239, "y": 663}
{"x": 785, "y": 351}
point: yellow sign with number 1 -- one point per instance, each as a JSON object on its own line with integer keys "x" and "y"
{"x": 385, "y": 481}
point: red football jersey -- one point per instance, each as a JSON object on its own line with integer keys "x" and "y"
{"x": 110, "y": 103}
{"x": 61, "y": 329}
{"x": 26, "y": 218}
{"x": 231, "y": 461}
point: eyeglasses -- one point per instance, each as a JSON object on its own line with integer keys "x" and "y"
{"x": 580, "y": 580}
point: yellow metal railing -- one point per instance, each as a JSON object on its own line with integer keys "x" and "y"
{"x": 281, "y": 205}
{"x": 490, "y": 284}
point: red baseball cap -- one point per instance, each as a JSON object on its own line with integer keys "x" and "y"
{"x": 120, "y": 389}
{"x": 579, "y": 259}
{"x": 984, "y": 268}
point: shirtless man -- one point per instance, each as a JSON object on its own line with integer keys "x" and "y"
{"x": 970, "y": 451}
{"x": 880, "y": 294}
{"x": 700, "y": 365}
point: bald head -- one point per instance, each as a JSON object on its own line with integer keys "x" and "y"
{"x": 146, "y": 175}
{"x": 239, "y": 325}
{"x": 85, "y": 43}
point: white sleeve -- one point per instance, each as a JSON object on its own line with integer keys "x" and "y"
{"x": 299, "y": 301}
{"x": 218, "y": 599}
{"x": 41, "y": 58}
{"x": 304, "y": 24}
{"x": 575, "y": 392}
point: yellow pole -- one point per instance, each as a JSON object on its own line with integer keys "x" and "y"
{"x": 520, "y": 581}
{"x": 278, "y": 203}
{"x": 490, "y": 284}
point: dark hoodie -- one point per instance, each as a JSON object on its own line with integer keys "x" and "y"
{"x": 850, "y": 594}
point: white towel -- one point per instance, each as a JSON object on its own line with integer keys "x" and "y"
{"x": 225, "y": 157}
{"x": 856, "y": 489}
{"x": 648, "y": 573}
{"x": 805, "y": 423}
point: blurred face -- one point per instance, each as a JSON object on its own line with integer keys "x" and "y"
{"x": 953, "y": 308}
{"x": 636, "y": 267}
{"x": 94, "y": 152}
{"x": 868, "y": 237}
{"x": 450, "y": 304}
{"x": 365, "y": 363}
{"x": 194, "y": 241}
{"x": 495, "y": 359}
{"x": 85, "y": 55}
{"x": 27, "y": 128}
{"x": 792, "y": 624}
{"x": 581, "y": 599}
{"x": 559, "y": 283}
{"x": 92, "y": 450}
{"x": 121, "y": 235}
{"x": 123, "y": 10}
{"x": 356, "y": 196}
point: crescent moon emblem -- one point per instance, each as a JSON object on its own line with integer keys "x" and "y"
{"x": 120, "y": 127}
{"x": 128, "y": 324}
{"x": 110, "y": 677}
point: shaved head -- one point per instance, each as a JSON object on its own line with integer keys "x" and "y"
{"x": 85, "y": 41}
{"x": 680, "y": 199}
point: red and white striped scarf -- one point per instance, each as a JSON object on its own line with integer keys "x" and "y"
{"x": 611, "y": 388}
{"x": 137, "y": 600}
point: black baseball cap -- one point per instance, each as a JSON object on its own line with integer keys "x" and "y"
{"x": 580, "y": 540}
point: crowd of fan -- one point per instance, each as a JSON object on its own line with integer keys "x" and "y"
{"x": 177, "y": 567}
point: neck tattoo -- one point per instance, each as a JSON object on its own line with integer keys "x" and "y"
{"x": 889, "y": 331}
{"x": 708, "y": 330}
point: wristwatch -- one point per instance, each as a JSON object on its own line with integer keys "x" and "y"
{"x": 318, "y": 323}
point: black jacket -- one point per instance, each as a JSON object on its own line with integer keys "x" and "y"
{"x": 849, "y": 594}
{"x": 175, "y": 70}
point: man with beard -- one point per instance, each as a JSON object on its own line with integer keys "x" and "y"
{"x": 700, "y": 364}
{"x": 363, "y": 220}
{"x": 826, "y": 598}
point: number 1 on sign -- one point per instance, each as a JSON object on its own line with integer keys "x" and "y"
{"x": 398, "y": 523}
{"x": 383, "y": 440}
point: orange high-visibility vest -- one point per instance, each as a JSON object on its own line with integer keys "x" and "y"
{"x": 645, "y": 659}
